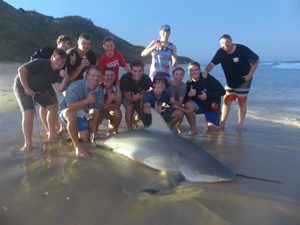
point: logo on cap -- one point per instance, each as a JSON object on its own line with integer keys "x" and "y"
{"x": 166, "y": 28}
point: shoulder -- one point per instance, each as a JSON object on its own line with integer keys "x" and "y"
{"x": 102, "y": 57}
{"x": 71, "y": 50}
{"x": 125, "y": 79}
{"x": 146, "y": 78}
{"x": 126, "y": 76}
{"x": 117, "y": 53}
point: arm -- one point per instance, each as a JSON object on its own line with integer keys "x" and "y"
{"x": 252, "y": 70}
{"x": 75, "y": 73}
{"x": 215, "y": 89}
{"x": 80, "y": 104}
{"x": 118, "y": 99}
{"x": 62, "y": 85}
{"x": 23, "y": 75}
{"x": 126, "y": 67}
{"x": 207, "y": 69}
{"x": 149, "y": 48}
{"x": 174, "y": 57}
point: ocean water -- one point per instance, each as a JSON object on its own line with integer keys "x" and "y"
{"x": 274, "y": 95}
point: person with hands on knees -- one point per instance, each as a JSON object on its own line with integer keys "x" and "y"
{"x": 80, "y": 57}
{"x": 112, "y": 101}
{"x": 133, "y": 86}
{"x": 159, "y": 99}
{"x": 239, "y": 64}
{"x": 163, "y": 53}
{"x": 80, "y": 109}
{"x": 177, "y": 89}
{"x": 203, "y": 96}
{"x": 32, "y": 84}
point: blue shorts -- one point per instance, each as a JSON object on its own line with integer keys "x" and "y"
{"x": 210, "y": 117}
{"x": 82, "y": 123}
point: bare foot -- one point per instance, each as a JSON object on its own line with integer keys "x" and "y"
{"x": 53, "y": 137}
{"x": 178, "y": 130}
{"x": 80, "y": 152}
{"x": 26, "y": 148}
{"x": 192, "y": 132}
{"x": 239, "y": 128}
{"x": 62, "y": 129}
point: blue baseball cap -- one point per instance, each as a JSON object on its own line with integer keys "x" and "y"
{"x": 166, "y": 28}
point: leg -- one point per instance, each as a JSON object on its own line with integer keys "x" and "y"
{"x": 94, "y": 123}
{"x": 71, "y": 117}
{"x": 43, "y": 115}
{"x": 115, "y": 121}
{"x": 242, "y": 112}
{"x": 176, "y": 117}
{"x": 225, "y": 112}
{"x": 27, "y": 127}
{"x": 191, "y": 108}
{"x": 129, "y": 110}
{"x": 52, "y": 117}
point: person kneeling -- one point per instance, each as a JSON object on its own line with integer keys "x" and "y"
{"x": 159, "y": 99}
{"x": 80, "y": 108}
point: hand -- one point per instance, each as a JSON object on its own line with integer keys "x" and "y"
{"x": 29, "y": 91}
{"x": 192, "y": 92}
{"x": 247, "y": 77}
{"x": 158, "y": 108}
{"x": 136, "y": 97}
{"x": 72, "y": 59}
{"x": 202, "y": 96}
{"x": 204, "y": 74}
{"x": 85, "y": 62}
{"x": 111, "y": 97}
{"x": 172, "y": 100}
{"x": 91, "y": 98}
{"x": 64, "y": 73}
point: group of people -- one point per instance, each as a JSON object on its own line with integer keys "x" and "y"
{"x": 93, "y": 90}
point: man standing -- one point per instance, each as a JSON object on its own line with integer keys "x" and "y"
{"x": 32, "y": 85}
{"x": 62, "y": 42}
{"x": 239, "y": 64}
{"x": 133, "y": 86}
{"x": 80, "y": 108}
{"x": 163, "y": 53}
{"x": 80, "y": 57}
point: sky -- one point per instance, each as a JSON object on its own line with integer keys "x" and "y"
{"x": 268, "y": 27}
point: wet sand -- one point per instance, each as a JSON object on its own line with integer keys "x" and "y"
{"x": 54, "y": 187}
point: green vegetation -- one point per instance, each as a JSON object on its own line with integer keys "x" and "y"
{"x": 23, "y": 32}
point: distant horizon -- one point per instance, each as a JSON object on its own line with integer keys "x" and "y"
{"x": 266, "y": 27}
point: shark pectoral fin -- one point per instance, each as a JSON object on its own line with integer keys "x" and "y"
{"x": 158, "y": 123}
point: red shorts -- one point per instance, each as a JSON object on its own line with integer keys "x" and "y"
{"x": 233, "y": 97}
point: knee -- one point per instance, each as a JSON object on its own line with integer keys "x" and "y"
{"x": 129, "y": 109}
{"x": 118, "y": 113}
{"x": 71, "y": 116}
{"x": 179, "y": 114}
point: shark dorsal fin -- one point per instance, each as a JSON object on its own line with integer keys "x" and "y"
{"x": 158, "y": 123}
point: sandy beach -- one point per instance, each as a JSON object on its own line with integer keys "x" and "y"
{"x": 52, "y": 186}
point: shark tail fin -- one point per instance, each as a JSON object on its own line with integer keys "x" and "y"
{"x": 158, "y": 123}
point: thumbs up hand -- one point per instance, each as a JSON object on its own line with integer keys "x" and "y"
{"x": 192, "y": 92}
